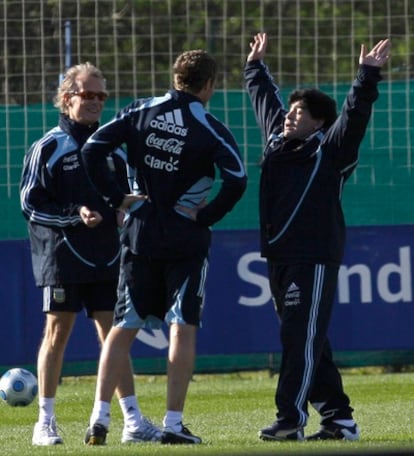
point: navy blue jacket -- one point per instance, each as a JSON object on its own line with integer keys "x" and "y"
{"x": 174, "y": 145}
{"x": 53, "y": 187}
{"x": 301, "y": 217}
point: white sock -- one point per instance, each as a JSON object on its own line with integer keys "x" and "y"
{"x": 173, "y": 420}
{"x": 46, "y": 409}
{"x": 101, "y": 413}
{"x": 132, "y": 413}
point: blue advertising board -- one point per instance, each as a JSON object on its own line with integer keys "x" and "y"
{"x": 374, "y": 307}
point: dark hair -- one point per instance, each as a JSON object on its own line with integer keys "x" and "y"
{"x": 193, "y": 69}
{"x": 319, "y": 105}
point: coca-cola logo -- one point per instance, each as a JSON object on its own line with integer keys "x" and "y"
{"x": 170, "y": 145}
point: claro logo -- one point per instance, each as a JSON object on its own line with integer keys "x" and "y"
{"x": 169, "y": 166}
{"x": 392, "y": 281}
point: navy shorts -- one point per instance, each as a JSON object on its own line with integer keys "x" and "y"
{"x": 155, "y": 290}
{"x": 94, "y": 296}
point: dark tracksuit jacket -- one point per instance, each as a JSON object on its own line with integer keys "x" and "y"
{"x": 53, "y": 187}
{"x": 302, "y": 223}
{"x": 174, "y": 145}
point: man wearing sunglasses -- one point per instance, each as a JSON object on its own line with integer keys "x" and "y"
{"x": 74, "y": 242}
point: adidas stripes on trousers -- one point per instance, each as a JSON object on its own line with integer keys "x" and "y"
{"x": 304, "y": 296}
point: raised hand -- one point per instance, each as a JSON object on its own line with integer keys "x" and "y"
{"x": 258, "y": 47}
{"x": 378, "y": 55}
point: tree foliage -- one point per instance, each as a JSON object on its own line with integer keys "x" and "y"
{"x": 134, "y": 42}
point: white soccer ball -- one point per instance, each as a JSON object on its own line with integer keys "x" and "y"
{"x": 18, "y": 387}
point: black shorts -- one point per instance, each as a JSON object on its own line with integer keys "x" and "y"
{"x": 155, "y": 290}
{"x": 94, "y": 296}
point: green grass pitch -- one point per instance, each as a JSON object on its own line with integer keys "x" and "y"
{"x": 227, "y": 411}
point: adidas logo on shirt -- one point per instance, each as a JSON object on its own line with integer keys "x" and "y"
{"x": 171, "y": 122}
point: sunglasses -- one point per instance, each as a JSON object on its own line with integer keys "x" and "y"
{"x": 88, "y": 95}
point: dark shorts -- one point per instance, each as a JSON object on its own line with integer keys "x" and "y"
{"x": 95, "y": 296}
{"x": 155, "y": 290}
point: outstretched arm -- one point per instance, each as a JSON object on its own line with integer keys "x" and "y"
{"x": 263, "y": 92}
{"x": 377, "y": 56}
{"x": 348, "y": 131}
{"x": 258, "y": 47}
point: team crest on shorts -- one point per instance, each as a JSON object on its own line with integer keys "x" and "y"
{"x": 59, "y": 295}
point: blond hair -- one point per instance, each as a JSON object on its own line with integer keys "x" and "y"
{"x": 68, "y": 84}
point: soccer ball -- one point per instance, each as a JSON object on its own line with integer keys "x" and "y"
{"x": 18, "y": 387}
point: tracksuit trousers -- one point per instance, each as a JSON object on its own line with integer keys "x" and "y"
{"x": 303, "y": 296}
